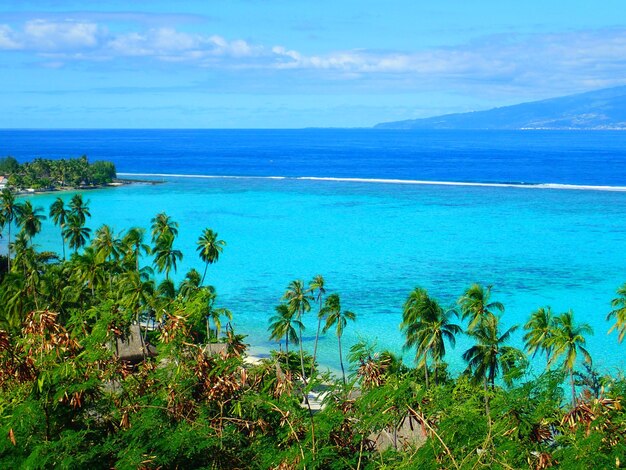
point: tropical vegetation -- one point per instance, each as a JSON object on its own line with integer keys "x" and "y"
{"x": 41, "y": 173}
{"x": 73, "y": 395}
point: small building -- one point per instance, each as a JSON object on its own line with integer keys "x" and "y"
{"x": 3, "y": 182}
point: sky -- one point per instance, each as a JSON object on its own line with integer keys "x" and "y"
{"x": 295, "y": 63}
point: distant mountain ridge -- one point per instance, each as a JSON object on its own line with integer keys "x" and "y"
{"x": 600, "y": 109}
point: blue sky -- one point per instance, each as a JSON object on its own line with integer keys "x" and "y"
{"x": 291, "y": 63}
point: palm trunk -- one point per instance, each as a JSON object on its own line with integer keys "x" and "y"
{"x": 487, "y": 410}
{"x": 145, "y": 332}
{"x": 426, "y": 371}
{"x": 63, "y": 244}
{"x": 287, "y": 351}
{"x": 317, "y": 337}
{"x": 9, "y": 247}
{"x": 436, "y": 374}
{"x": 206, "y": 266}
{"x": 144, "y": 350}
{"x": 208, "y": 331}
{"x": 343, "y": 372}
{"x": 301, "y": 350}
{"x": 571, "y": 378}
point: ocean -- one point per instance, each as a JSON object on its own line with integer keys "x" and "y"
{"x": 521, "y": 229}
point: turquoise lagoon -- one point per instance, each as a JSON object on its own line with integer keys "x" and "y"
{"x": 374, "y": 242}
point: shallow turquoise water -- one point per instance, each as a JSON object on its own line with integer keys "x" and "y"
{"x": 375, "y": 242}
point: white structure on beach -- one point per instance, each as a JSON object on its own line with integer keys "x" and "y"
{"x": 3, "y": 182}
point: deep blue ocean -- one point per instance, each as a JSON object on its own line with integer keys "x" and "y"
{"x": 574, "y": 157}
{"x": 374, "y": 242}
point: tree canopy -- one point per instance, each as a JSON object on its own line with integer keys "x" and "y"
{"x": 41, "y": 173}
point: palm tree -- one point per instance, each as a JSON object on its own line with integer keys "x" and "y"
{"x": 58, "y": 213}
{"x": 29, "y": 219}
{"x": 89, "y": 269}
{"x": 338, "y": 318}
{"x": 137, "y": 293}
{"x": 427, "y": 327}
{"x": 209, "y": 248}
{"x": 316, "y": 286}
{"x": 166, "y": 291}
{"x": 9, "y": 209}
{"x": 539, "y": 327}
{"x": 190, "y": 284}
{"x": 166, "y": 256}
{"x": 475, "y": 305}
{"x": 107, "y": 244}
{"x": 27, "y": 262}
{"x": 215, "y": 314}
{"x": 568, "y": 339}
{"x": 619, "y": 313}
{"x": 162, "y": 224}
{"x": 298, "y": 301}
{"x": 14, "y": 302}
{"x": 283, "y": 325}
{"x": 133, "y": 245}
{"x": 489, "y": 355}
{"x": 75, "y": 232}
{"x": 79, "y": 208}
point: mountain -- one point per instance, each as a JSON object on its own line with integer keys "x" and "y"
{"x": 600, "y": 109}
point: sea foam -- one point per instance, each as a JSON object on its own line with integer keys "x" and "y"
{"x": 577, "y": 187}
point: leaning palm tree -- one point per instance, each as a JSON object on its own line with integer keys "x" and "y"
{"x": 298, "y": 301}
{"x": 29, "y": 219}
{"x": 59, "y": 213}
{"x": 9, "y": 210}
{"x": 209, "y": 249}
{"x": 568, "y": 340}
{"x": 165, "y": 256}
{"x": 475, "y": 305}
{"x": 540, "y": 329}
{"x": 317, "y": 288}
{"x": 75, "y": 232}
{"x": 283, "y": 325}
{"x": 619, "y": 314}
{"x": 338, "y": 318}
{"x": 427, "y": 327}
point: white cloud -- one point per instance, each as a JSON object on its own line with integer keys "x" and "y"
{"x": 7, "y": 40}
{"x": 43, "y": 35}
{"x": 577, "y": 58}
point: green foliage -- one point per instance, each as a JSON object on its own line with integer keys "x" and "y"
{"x": 8, "y": 165}
{"x": 46, "y": 173}
{"x": 71, "y": 396}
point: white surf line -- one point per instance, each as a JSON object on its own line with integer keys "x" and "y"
{"x": 575, "y": 187}
{"x": 468, "y": 183}
{"x": 174, "y": 175}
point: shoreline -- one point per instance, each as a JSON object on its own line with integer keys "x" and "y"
{"x": 116, "y": 183}
{"x": 521, "y": 185}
